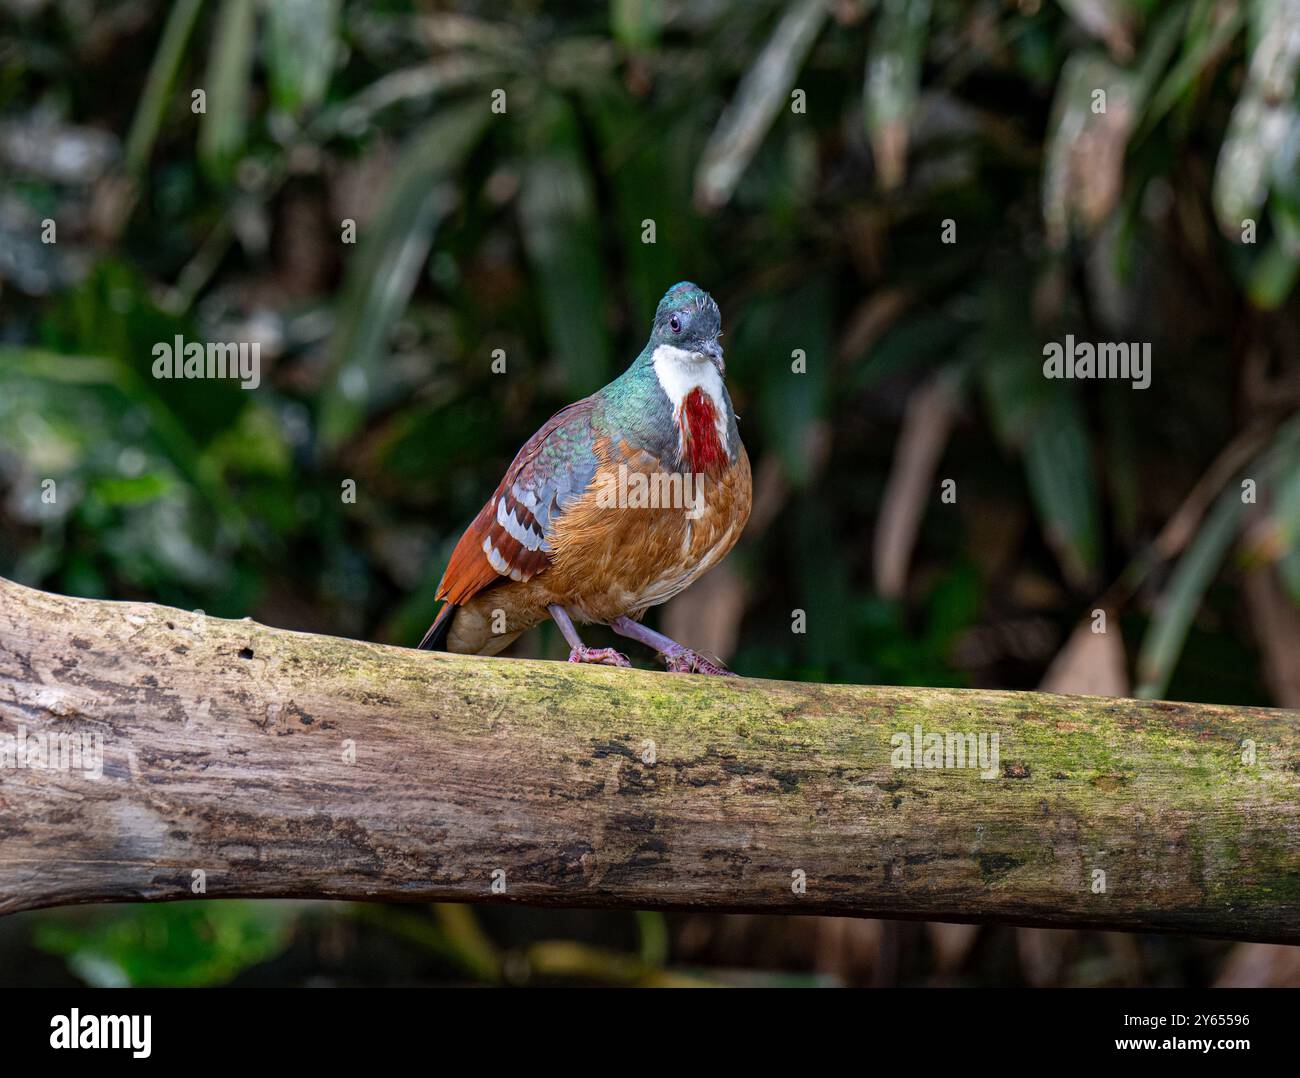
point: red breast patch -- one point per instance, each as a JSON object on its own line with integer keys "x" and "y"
{"x": 699, "y": 425}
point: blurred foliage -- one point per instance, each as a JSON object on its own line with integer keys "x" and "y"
{"x": 907, "y": 194}
{"x": 173, "y": 945}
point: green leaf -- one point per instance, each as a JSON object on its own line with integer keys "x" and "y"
{"x": 230, "y": 67}
{"x": 1274, "y": 273}
{"x": 893, "y": 82}
{"x": 1182, "y": 596}
{"x": 1058, "y": 464}
{"x": 1043, "y": 419}
{"x": 1011, "y": 375}
{"x": 1083, "y": 173}
{"x": 177, "y": 944}
{"x": 1210, "y": 29}
{"x": 636, "y": 23}
{"x": 790, "y": 404}
{"x": 762, "y": 93}
{"x": 914, "y": 342}
{"x": 1262, "y": 117}
{"x": 649, "y": 166}
{"x": 1284, "y": 473}
{"x": 557, "y": 211}
{"x": 158, "y": 87}
{"x": 408, "y": 86}
{"x": 1273, "y": 276}
{"x": 391, "y": 250}
{"x": 122, "y": 490}
{"x": 301, "y": 41}
{"x": 86, "y": 405}
{"x": 1169, "y": 28}
{"x": 113, "y": 312}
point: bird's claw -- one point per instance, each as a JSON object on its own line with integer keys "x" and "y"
{"x": 600, "y": 656}
{"x": 687, "y": 661}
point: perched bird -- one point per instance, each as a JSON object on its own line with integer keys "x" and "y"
{"x": 617, "y": 504}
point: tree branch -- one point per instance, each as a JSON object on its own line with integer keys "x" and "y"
{"x": 273, "y": 763}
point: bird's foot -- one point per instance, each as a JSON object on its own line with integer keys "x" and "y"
{"x": 687, "y": 661}
{"x": 600, "y": 656}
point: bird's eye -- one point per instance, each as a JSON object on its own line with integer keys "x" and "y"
{"x": 675, "y": 324}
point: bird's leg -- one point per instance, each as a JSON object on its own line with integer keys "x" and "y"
{"x": 580, "y": 653}
{"x": 680, "y": 660}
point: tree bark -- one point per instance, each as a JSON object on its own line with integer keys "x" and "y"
{"x": 264, "y": 763}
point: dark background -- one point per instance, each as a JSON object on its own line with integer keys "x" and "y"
{"x": 799, "y": 160}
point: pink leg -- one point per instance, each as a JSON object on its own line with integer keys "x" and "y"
{"x": 579, "y": 652}
{"x": 680, "y": 660}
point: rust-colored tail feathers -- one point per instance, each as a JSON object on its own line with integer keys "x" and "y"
{"x": 468, "y": 572}
{"x": 507, "y": 539}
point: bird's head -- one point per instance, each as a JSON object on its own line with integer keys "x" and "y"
{"x": 688, "y": 319}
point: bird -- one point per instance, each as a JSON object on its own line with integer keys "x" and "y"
{"x": 618, "y": 503}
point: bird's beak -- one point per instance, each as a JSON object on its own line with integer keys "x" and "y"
{"x": 713, "y": 350}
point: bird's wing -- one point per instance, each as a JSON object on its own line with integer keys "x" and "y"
{"x": 509, "y": 537}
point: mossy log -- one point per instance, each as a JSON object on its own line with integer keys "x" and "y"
{"x": 241, "y": 760}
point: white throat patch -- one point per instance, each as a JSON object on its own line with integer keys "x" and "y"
{"x": 679, "y": 372}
